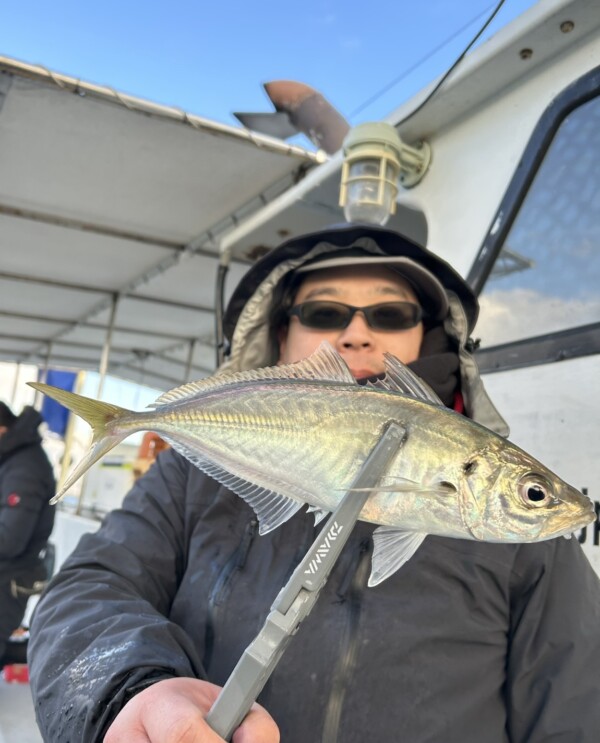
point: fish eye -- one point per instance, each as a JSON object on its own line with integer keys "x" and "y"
{"x": 535, "y": 491}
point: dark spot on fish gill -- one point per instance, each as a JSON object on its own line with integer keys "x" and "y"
{"x": 468, "y": 467}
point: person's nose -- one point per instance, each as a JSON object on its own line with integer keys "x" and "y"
{"x": 358, "y": 334}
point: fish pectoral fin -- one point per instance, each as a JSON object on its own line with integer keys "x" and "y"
{"x": 392, "y": 547}
{"x": 404, "y": 485}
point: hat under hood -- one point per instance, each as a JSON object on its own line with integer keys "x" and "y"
{"x": 446, "y": 298}
{"x": 427, "y": 287}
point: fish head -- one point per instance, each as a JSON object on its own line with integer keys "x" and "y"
{"x": 508, "y": 496}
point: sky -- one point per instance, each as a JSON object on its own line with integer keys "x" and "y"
{"x": 211, "y": 58}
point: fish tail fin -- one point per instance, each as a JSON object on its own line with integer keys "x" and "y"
{"x": 101, "y": 416}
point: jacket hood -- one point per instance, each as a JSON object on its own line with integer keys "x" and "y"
{"x": 247, "y": 318}
{"x": 302, "y": 249}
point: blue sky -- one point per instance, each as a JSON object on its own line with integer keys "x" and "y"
{"x": 210, "y": 57}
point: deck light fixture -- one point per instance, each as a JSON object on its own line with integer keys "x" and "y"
{"x": 375, "y": 161}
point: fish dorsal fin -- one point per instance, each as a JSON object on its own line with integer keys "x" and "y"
{"x": 399, "y": 378}
{"x": 324, "y": 364}
{"x": 392, "y": 547}
{"x": 272, "y": 509}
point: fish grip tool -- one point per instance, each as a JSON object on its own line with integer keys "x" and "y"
{"x": 296, "y": 599}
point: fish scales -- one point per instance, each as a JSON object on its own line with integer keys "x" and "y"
{"x": 294, "y": 441}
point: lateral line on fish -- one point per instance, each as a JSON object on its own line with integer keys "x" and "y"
{"x": 232, "y": 385}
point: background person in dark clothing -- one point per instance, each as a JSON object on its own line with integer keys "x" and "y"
{"x": 26, "y": 517}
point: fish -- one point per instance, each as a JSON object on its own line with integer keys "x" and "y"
{"x": 296, "y": 435}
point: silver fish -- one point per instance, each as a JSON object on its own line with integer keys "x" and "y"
{"x": 286, "y": 436}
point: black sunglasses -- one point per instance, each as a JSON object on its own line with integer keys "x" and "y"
{"x": 325, "y": 315}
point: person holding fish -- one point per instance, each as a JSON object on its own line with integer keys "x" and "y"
{"x": 459, "y": 610}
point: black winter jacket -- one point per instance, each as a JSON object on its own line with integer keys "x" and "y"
{"x": 468, "y": 642}
{"x": 26, "y": 485}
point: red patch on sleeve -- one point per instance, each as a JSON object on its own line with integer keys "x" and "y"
{"x": 13, "y": 499}
{"x": 459, "y": 403}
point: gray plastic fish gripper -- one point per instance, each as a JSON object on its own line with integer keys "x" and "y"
{"x": 296, "y": 599}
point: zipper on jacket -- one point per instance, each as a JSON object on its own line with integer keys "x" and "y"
{"x": 221, "y": 586}
{"x": 346, "y": 664}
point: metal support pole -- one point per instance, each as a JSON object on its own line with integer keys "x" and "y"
{"x": 13, "y": 394}
{"x": 107, "y": 343}
{"x": 222, "y": 271}
{"x": 300, "y": 594}
{"x": 44, "y": 375}
{"x": 190, "y": 359}
{"x": 68, "y": 442}
{"x": 47, "y": 361}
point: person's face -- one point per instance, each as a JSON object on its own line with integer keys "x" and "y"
{"x": 3, "y": 430}
{"x": 361, "y": 346}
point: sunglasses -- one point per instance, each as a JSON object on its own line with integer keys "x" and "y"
{"x": 325, "y": 315}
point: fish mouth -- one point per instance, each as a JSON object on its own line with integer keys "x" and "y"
{"x": 585, "y": 505}
{"x": 580, "y": 513}
{"x": 587, "y": 518}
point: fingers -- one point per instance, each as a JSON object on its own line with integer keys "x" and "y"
{"x": 170, "y": 711}
{"x": 258, "y": 727}
{"x": 173, "y": 711}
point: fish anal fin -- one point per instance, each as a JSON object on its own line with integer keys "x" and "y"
{"x": 271, "y": 508}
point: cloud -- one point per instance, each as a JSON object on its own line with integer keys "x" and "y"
{"x": 524, "y": 313}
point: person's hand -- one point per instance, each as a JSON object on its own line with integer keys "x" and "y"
{"x": 173, "y": 711}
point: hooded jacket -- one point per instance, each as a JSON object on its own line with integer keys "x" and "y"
{"x": 468, "y": 641}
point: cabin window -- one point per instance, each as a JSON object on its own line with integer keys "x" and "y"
{"x": 541, "y": 297}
